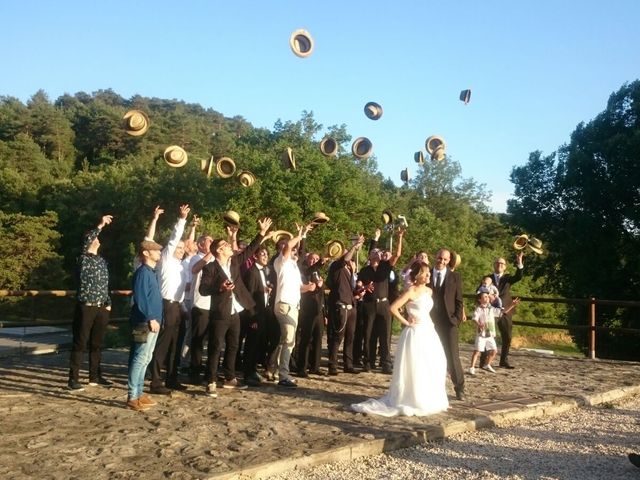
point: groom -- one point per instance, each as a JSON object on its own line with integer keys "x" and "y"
{"x": 447, "y": 315}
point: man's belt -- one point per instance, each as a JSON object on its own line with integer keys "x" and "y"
{"x": 344, "y": 306}
{"x": 94, "y": 304}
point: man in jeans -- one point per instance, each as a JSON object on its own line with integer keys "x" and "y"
{"x": 145, "y": 320}
{"x": 91, "y": 314}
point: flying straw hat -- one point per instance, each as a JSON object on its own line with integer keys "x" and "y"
{"x": 335, "y": 248}
{"x": 301, "y": 43}
{"x": 465, "y": 96}
{"x": 319, "y": 218}
{"x": 136, "y": 123}
{"x": 289, "y": 159}
{"x": 535, "y": 245}
{"x": 419, "y": 157}
{"x": 361, "y": 147}
{"x": 329, "y": 147}
{"x": 281, "y": 235}
{"x": 225, "y": 167}
{"x": 404, "y": 175}
{"x": 438, "y": 154}
{"x": 520, "y": 241}
{"x": 207, "y": 166}
{"x": 373, "y": 110}
{"x": 175, "y": 156}
{"x": 231, "y": 217}
{"x": 246, "y": 178}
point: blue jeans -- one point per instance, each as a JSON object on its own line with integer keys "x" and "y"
{"x": 140, "y": 356}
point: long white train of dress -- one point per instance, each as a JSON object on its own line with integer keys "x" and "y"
{"x": 418, "y": 383}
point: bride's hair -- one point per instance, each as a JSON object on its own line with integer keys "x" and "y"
{"x": 419, "y": 273}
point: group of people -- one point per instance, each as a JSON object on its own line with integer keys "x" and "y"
{"x": 267, "y": 314}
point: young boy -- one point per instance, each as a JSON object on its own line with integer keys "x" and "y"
{"x": 484, "y": 315}
{"x": 487, "y": 286}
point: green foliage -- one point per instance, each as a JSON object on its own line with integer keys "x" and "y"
{"x": 585, "y": 205}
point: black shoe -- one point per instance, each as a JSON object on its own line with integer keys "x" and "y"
{"x": 507, "y": 366}
{"x": 160, "y": 390}
{"x": 357, "y": 364}
{"x": 634, "y": 458}
{"x": 387, "y": 370}
{"x": 333, "y": 372}
{"x": 461, "y": 396}
{"x": 287, "y": 383}
{"x": 100, "y": 381}
{"x": 351, "y": 370}
{"x": 322, "y": 373}
{"x": 366, "y": 367}
{"x": 75, "y": 386}
{"x": 176, "y": 386}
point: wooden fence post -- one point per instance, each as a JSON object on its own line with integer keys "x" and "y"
{"x": 592, "y": 329}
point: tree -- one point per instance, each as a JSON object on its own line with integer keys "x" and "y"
{"x": 586, "y": 206}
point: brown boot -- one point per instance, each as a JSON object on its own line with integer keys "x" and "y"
{"x": 137, "y": 405}
{"x": 147, "y": 400}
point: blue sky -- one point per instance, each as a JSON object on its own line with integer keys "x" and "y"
{"x": 536, "y": 69}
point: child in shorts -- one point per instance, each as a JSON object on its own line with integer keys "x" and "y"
{"x": 485, "y": 317}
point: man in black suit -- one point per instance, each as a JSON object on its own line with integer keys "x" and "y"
{"x": 447, "y": 315}
{"x": 257, "y": 282}
{"x": 229, "y": 296}
{"x": 504, "y": 281}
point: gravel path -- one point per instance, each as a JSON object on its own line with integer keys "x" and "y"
{"x": 587, "y": 443}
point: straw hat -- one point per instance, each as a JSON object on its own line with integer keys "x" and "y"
{"x": 225, "y": 167}
{"x": 175, "y": 156}
{"x": 433, "y": 142}
{"x": 465, "y": 96}
{"x": 289, "y": 159}
{"x": 455, "y": 260}
{"x": 373, "y": 110}
{"x": 335, "y": 249}
{"x": 301, "y": 43}
{"x": 319, "y": 218}
{"x": 404, "y": 175}
{"x": 329, "y": 146}
{"x": 246, "y": 178}
{"x": 521, "y": 241}
{"x": 231, "y": 217}
{"x": 362, "y": 147}
{"x": 278, "y": 235}
{"x": 419, "y": 157}
{"x": 136, "y": 123}
{"x": 207, "y": 166}
{"x": 535, "y": 245}
{"x": 387, "y": 217}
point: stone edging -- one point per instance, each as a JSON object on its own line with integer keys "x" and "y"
{"x": 377, "y": 446}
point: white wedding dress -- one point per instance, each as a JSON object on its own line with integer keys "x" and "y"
{"x": 418, "y": 384}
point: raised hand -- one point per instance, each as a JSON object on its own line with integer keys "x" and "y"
{"x": 264, "y": 224}
{"x": 105, "y": 220}
{"x": 184, "y": 211}
{"x": 157, "y": 212}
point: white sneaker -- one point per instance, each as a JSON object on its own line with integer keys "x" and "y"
{"x": 489, "y": 368}
{"x": 211, "y": 390}
{"x": 472, "y": 371}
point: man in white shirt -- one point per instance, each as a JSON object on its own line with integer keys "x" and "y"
{"x": 287, "y": 302}
{"x": 172, "y": 280}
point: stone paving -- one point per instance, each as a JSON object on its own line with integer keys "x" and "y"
{"x": 261, "y": 431}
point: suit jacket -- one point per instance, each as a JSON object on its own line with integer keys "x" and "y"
{"x": 213, "y": 276}
{"x": 448, "y": 302}
{"x": 504, "y": 287}
{"x": 253, "y": 282}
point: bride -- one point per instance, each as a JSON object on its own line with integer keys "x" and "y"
{"x": 420, "y": 366}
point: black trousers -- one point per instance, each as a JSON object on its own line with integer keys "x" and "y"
{"x": 359, "y": 334}
{"x": 223, "y": 332}
{"x": 377, "y": 318}
{"x": 505, "y": 325}
{"x": 89, "y": 325}
{"x": 448, "y": 334}
{"x": 342, "y": 326}
{"x": 254, "y": 343}
{"x": 310, "y": 347}
{"x": 167, "y": 345}
{"x": 199, "y": 331}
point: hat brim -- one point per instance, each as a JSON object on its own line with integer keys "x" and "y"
{"x": 362, "y": 147}
{"x": 225, "y": 172}
{"x": 373, "y": 111}
{"x": 535, "y": 249}
{"x": 301, "y": 43}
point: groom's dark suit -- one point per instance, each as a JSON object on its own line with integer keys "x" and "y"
{"x": 447, "y": 316}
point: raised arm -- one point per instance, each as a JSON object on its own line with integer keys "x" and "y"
{"x": 355, "y": 246}
{"x": 394, "y": 259}
{"x": 151, "y": 231}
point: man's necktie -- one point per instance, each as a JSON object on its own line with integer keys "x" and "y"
{"x": 438, "y": 280}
